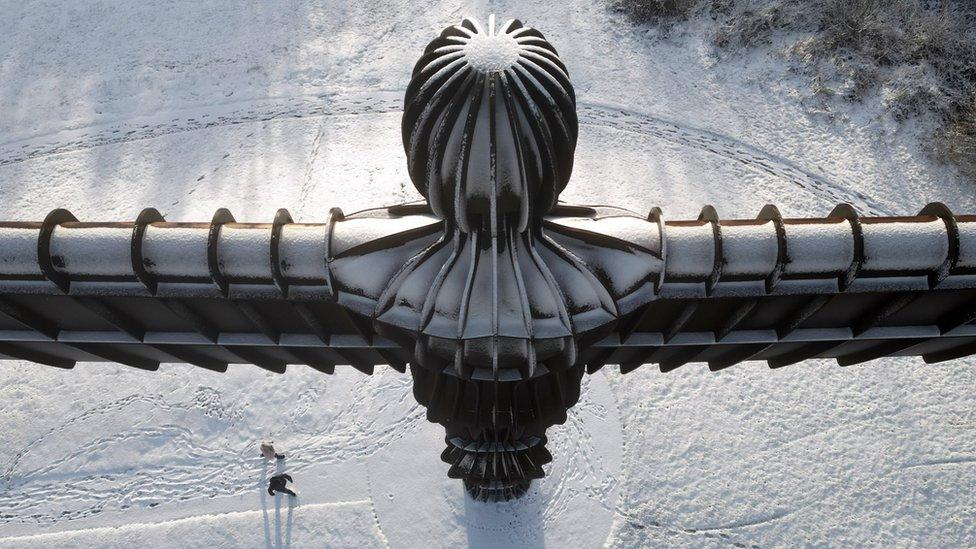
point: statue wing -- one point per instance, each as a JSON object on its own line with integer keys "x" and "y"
{"x": 207, "y": 294}
{"x": 780, "y": 290}
{"x": 705, "y": 290}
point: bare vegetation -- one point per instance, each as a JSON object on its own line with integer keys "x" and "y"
{"x": 917, "y": 57}
{"x": 660, "y": 11}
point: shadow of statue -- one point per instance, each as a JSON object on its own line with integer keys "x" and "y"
{"x": 518, "y": 523}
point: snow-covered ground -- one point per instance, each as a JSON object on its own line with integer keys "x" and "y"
{"x": 108, "y": 107}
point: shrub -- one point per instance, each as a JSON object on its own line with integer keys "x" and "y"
{"x": 658, "y": 11}
{"x": 919, "y": 54}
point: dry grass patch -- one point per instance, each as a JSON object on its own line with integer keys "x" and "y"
{"x": 918, "y": 57}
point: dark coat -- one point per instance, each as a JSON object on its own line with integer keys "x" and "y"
{"x": 278, "y": 483}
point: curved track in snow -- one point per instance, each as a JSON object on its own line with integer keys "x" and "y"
{"x": 389, "y": 102}
{"x": 188, "y": 459}
{"x": 728, "y": 148}
{"x": 185, "y": 467}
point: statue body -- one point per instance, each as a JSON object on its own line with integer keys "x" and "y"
{"x": 494, "y": 300}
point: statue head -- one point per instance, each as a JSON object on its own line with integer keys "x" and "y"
{"x": 489, "y": 124}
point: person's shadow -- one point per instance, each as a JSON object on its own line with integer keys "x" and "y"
{"x": 263, "y": 490}
{"x": 263, "y": 487}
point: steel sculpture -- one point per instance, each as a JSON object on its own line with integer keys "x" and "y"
{"x": 498, "y": 297}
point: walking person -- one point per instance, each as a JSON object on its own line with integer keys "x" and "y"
{"x": 279, "y": 484}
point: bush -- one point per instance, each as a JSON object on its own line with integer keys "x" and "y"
{"x": 919, "y": 54}
{"x": 658, "y": 11}
{"x": 957, "y": 141}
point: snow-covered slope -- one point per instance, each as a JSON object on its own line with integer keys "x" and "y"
{"x": 108, "y": 107}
